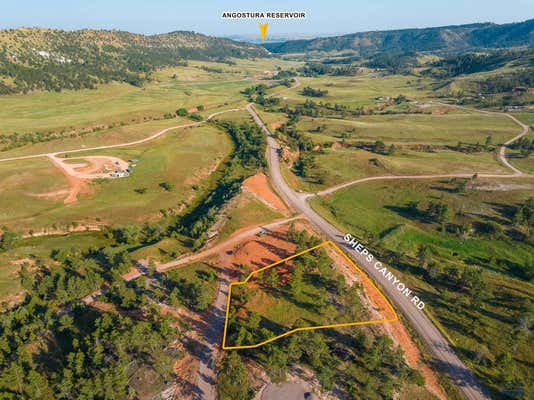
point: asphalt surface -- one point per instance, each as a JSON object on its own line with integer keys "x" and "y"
{"x": 443, "y": 353}
{"x": 438, "y": 345}
{"x": 288, "y": 391}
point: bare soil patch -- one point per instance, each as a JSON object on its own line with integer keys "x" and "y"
{"x": 258, "y": 185}
{"x": 276, "y": 125}
{"x": 258, "y": 252}
{"x": 398, "y": 332}
{"x": 78, "y": 174}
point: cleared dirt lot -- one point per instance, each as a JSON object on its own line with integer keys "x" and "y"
{"x": 84, "y": 169}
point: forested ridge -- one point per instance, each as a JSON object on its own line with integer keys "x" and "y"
{"x": 49, "y": 59}
{"x": 445, "y": 38}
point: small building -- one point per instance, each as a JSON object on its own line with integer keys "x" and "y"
{"x": 519, "y": 90}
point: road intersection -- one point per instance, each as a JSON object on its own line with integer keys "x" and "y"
{"x": 432, "y": 337}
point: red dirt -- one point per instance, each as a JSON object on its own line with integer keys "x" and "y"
{"x": 185, "y": 371}
{"x": 375, "y": 297}
{"x": 276, "y": 125}
{"x": 440, "y": 111}
{"x": 132, "y": 274}
{"x": 336, "y": 146}
{"x": 259, "y": 186}
{"x": 400, "y": 335}
{"x": 77, "y": 185}
{"x": 92, "y": 166}
{"x": 396, "y": 330}
{"x": 258, "y": 252}
{"x": 106, "y": 307}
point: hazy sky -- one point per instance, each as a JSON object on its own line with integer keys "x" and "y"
{"x": 323, "y": 17}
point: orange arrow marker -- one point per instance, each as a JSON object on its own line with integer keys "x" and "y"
{"x": 263, "y": 30}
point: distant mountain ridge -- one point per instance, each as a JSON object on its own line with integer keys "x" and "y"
{"x": 51, "y": 59}
{"x": 444, "y": 39}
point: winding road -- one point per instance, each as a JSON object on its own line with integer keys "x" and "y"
{"x": 444, "y": 354}
{"x": 434, "y": 340}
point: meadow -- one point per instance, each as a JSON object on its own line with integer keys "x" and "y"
{"x": 184, "y": 158}
{"x": 526, "y": 118}
{"x": 425, "y": 134}
{"x": 171, "y": 88}
{"x": 399, "y": 129}
{"x": 243, "y": 212}
{"x": 525, "y": 164}
{"x": 361, "y": 90}
{"x": 377, "y": 212}
{"x": 104, "y": 137}
{"x": 337, "y": 166}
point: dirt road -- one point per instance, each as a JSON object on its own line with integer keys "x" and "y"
{"x": 126, "y": 144}
{"x": 232, "y": 240}
{"x": 207, "y": 373}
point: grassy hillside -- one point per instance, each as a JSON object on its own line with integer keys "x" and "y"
{"x": 447, "y": 38}
{"x": 54, "y": 60}
{"x": 184, "y": 158}
{"x": 476, "y": 282}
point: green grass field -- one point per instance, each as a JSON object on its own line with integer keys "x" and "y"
{"x": 339, "y": 165}
{"x": 375, "y": 212}
{"x": 116, "y": 135}
{"x": 184, "y": 158}
{"x": 342, "y": 165}
{"x": 445, "y": 129}
{"x": 245, "y": 211}
{"x": 361, "y": 90}
{"x": 526, "y": 118}
{"x": 241, "y": 116}
{"x": 115, "y": 102}
{"x": 525, "y": 164}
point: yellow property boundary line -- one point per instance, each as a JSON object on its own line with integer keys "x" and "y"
{"x": 309, "y": 328}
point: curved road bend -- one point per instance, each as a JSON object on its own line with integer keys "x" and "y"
{"x": 502, "y": 150}
{"x": 438, "y": 345}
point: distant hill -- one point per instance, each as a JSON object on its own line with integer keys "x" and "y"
{"x": 49, "y": 59}
{"x": 443, "y": 39}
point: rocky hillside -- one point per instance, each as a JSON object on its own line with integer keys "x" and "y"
{"x": 48, "y": 59}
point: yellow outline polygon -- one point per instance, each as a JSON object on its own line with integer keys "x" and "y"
{"x": 307, "y": 328}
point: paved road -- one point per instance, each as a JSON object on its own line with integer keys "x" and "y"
{"x": 438, "y": 345}
{"x": 288, "y": 391}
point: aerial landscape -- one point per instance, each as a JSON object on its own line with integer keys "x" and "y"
{"x": 300, "y": 201}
